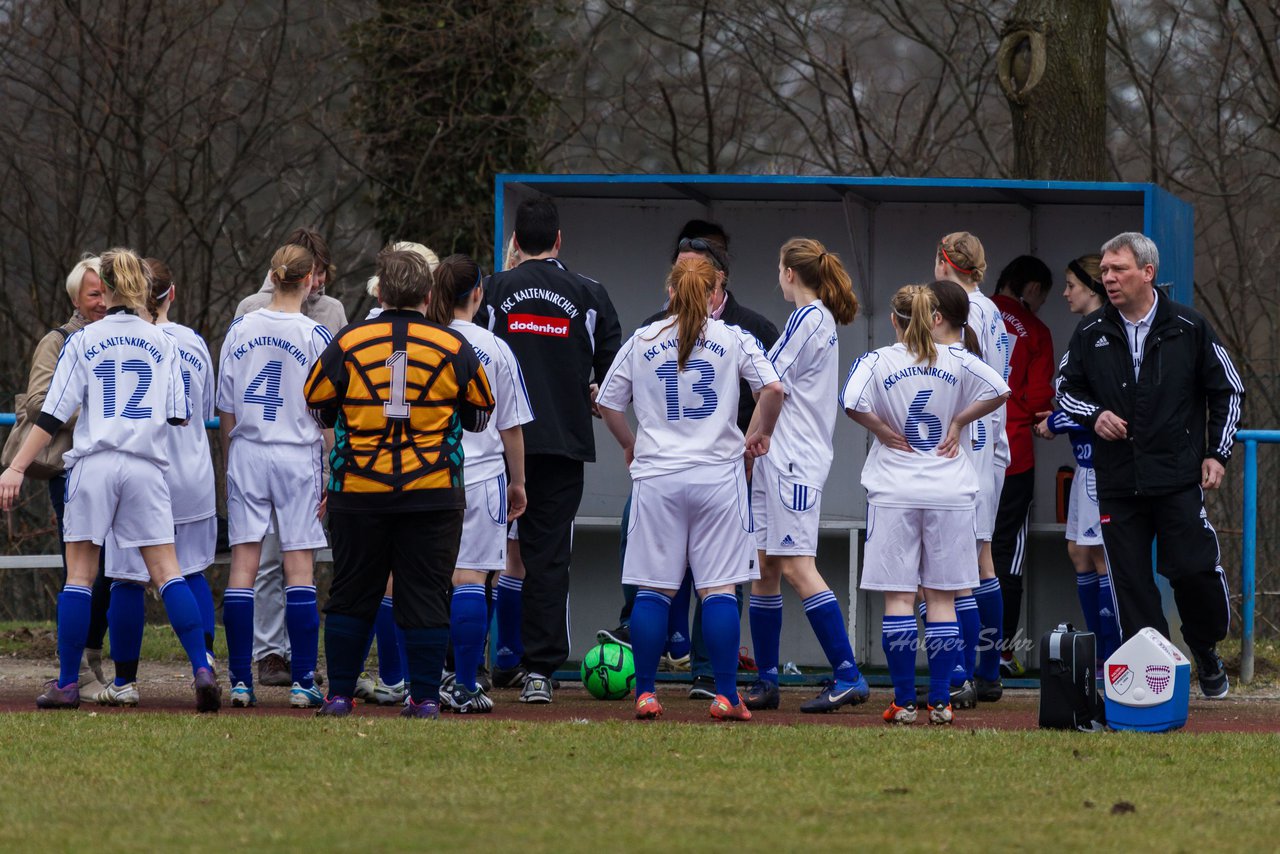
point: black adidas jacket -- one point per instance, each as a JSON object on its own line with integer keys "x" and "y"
{"x": 1186, "y": 374}
{"x": 564, "y": 332}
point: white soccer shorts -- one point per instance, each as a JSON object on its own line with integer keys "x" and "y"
{"x": 1084, "y": 522}
{"x": 113, "y": 491}
{"x": 698, "y": 518}
{"x": 194, "y": 542}
{"x": 484, "y": 526}
{"x": 285, "y": 477}
{"x": 785, "y": 510}
{"x": 987, "y": 502}
{"x": 908, "y": 548}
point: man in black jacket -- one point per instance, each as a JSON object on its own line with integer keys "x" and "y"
{"x": 564, "y": 332}
{"x": 1150, "y": 377}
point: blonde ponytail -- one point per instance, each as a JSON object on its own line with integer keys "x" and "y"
{"x": 914, "y": 305}
{"x": 821, "y": 272}
{"x": 691, "y": 281}
{"x": 128, "y": 278}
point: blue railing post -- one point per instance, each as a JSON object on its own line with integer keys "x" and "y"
{"x": 1249, "y": 557}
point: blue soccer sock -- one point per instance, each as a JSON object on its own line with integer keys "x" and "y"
{"x": 991, "y": 614}
{"x": 510, "y": 613}
{"x": 649, "y": 616}
{"x": 899, "y": 637}
{"x": 199, "y": 586}
{"x": 466, "y": 629}
{"x": 1087, "y": 590}
{"x": 764, "y": 615}
{"x": 390, "y": 649}
{"x": 343, "y": 652}
{"x": 678, "y": 641}
{"x": 73, "y": 628}
{"x": 1108, "y": 619}
{"x": 970, "y": 629}
{"x": 940, "y": 640}
{"x": 302, "y": 622}
{"x": 424, "y": 653}
{"x": 126, "y": 617}
{"x": 721, "y": 631}
{"x": 828, "y": 624}
{"x": 184, "y": 616}
{"x": 237, "y": 622}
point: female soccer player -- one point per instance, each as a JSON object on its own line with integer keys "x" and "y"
{"x": 1085, "y": 294}
{"x": 273, "y": 448}
{"x": 960, "y": 258}
{"x": 493, "y": 471}
{"x": 191, "y": 492}
{"x": 916, "y": 398}
{"x": 689, "y": 504}
{"x": 124, "y": 377}
{"x": 786, "y": 485}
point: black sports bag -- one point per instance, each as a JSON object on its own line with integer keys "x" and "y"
{"x": 1068, "y": 687}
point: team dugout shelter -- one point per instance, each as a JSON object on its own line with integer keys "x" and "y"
{"x": 621, "y": 230}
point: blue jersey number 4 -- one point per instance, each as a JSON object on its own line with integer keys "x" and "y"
{"x": 265, "y": 390}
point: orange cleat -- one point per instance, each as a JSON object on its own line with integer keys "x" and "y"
{"x": 647, "y": 707}
{"x": 896, "y": 714}
{"x": 723, "y": 710}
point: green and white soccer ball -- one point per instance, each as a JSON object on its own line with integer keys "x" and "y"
{"x": 609, "y": 671}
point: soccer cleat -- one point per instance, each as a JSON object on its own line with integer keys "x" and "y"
{"x": 537, "y": 689}
{"x": 115, "y": 695}
{"x": 465, "y": 702}
{"x": 242, "y": 696}
{"x": 965, "y": 696}
{"x": 335, "y": 706}
{"x": 831, "y": 699}
{"x": 762, "y": 694}
{"x": 987, "y": 690}
{"x": 305, "y": 698}
{"x": 208, "y": 694}
{"x": 427, "y": 709}
{"x": 1011, "y": 668}
{"x": 55, "y": 697}
{"x": 509, "y": 677}
{"x": 896, "y": 714}
{"x": 647, "y": 707}
{"x": 667, "y": 664}
{"x": 621, "y": 636}
{"x": 92, "y": 660}
{"x": 485, "y": 683}
{"x": 389, "y": 695}
{"x": 447, "y": 680}
{"x": 273, "y": 670}
{"x": 366, "y": 685}
{"x": 940, "y": 713}
{"x": 722, "y": 710}
{"x": 703, "y": 688}
{"x": 1212, "y": 673}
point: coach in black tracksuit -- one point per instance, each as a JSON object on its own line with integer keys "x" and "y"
{"x": 1150, "y": 377}
{"x": 564, "y": 331}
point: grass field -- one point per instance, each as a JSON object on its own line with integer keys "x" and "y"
{"x": 149, "y": 782}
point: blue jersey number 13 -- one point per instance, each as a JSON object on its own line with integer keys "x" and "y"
{"x": 669, "y": 373}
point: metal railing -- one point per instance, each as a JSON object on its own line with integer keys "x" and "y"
{"x": 1249, "y": 549}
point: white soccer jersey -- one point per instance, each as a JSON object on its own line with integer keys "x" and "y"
{"x": 190, "y": 474}
{"x": 482, "y": 453}
{"x": 806, "y": 358}
{"x": 124, "y": 376}
{"x": 266, "y": 357}
{"x": 686, "y": 418}
{"x": 997, "y": 349}
{"x": 918, "y": 401}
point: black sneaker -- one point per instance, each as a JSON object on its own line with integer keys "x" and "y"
{"x": 762, "y": 694}
{"x": 621, "y": 636}
{"x": 831, "y": 699}
{"x": 703, "y": 688}
{"x": 509, "y": 678}
{"x": 988, "y": 691}
{"x": 537, "y": 689}
{"x": 483, "y": 680}
{"x": 1212, "y": 673}
{"x": 964, "y": 697}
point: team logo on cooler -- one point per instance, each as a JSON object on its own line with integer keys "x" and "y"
{"x": 1105, "y": 520}
{"x": 1158, "y": 677}
{"x": 534, "y": 324}
{"x": 1120, "y": 677}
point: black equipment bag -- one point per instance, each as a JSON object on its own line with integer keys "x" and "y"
{"x": 1068, "y": 688}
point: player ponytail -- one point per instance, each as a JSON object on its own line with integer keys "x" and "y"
{"x": 953, "y": 305}
{"x": 821, "y": 272}
{"x": 290, "y": 266}
{"x": 452, "y": 284}
{"x": 691, "y": 282}
{"x": 127, "y": 278}
{"x": 962, "y": 256}
{"x": 161, "y": 284}
{"x": 913, "y": 308}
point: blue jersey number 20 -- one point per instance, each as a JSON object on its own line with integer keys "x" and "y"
{"x": 669, "y": 373}
{"x": 923, "y": 430}
{"x": 265, "y": 390}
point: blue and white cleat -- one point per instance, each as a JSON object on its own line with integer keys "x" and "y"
{"x": 305, "y": 698}
{"x": 242, "y": 696}
{"x": 833, "y": 697}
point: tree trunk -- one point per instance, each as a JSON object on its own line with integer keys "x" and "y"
{"x": 1052, "y": 68}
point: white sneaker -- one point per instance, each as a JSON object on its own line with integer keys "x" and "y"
{"x": 366, "y": 687}
{"x": 116, "y": 695}
{"x": 389, "y": 695}
{"x": 242, "y": 696}
{"x": 305, "y": 698}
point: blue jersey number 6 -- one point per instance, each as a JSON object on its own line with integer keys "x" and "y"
{"x": 923, "y": 430}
